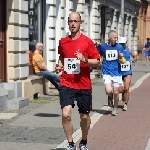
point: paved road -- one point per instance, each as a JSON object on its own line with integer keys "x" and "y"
{"x": 41, "y": 128}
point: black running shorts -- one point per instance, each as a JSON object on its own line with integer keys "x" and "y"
{"x": 83, "y": 98}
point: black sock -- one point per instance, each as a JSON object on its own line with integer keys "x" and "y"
{"x": 111, "y": 95}
{"x": 71, "y": 143}
{"x": 83, "y": 141}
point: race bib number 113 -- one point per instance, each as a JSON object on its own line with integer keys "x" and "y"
{"x": 111, "y": 55}
{"x": 72, "y": 65}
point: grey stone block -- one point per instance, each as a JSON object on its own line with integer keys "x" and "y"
{"x": 2, "y": 85}
{"x": 3, "y": 92}
{"x": 3, "y": 102}
{"x": 17, "y": 103}
{"x": 11, "y": 94}
{"x": 93, "y": 75}
{"x": 3, "y": 99}
{"x": 16, "y": 86}
{"x": 9, "y": 86}
{"x": 18, "y": 89}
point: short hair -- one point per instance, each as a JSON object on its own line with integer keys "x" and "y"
{"x": 38, "y": 44}
{"x": 110, "y": 32}
{"x": 147, "y": 39}
{"x": 77, "y": 13}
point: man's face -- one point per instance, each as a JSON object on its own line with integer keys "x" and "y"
{"x": 113, "y": 38}
{"x": 74, "y": 23}
{"x": 40, "y": 48}
{"x": 123, "y": 44}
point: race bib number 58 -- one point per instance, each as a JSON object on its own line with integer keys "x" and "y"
{"x": 72, "y": 65}
{"x": 111, "y": 55}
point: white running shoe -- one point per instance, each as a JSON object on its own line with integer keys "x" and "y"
{"x": 125, "y": 107}
{"x": 114, "y": 112}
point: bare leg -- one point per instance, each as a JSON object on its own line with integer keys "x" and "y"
{"x": 127, "y": 81}
{"x": 147, "y": 59}
{"x": 85, "y": 125}
{"x": 108, "y": 90}
{"x": 67, "y": 123}
{"x": 116, "y": 97}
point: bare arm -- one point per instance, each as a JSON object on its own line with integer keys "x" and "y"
{"x": 40, "y": 65}
{"x": 60, "y": 65}
{"x": 61, "y": 61}
{"x": 133, "y": 54}
{"x": 90, "y": 62}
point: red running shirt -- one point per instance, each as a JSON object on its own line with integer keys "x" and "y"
{"x": 67, "y": 48}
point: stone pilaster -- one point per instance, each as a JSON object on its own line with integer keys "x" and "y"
{"x": 17, "y": 39}
{"x": 95, "y": 21}
{"x": 50, "y": 47}
{"x": 114, "y": 19}
{"x": 126, "y": 27}
{"x": 130, "y": 32}
{"x": 119, "y": 24}
{"x": 108, "y": 16}
{"x": 135, "y": 36}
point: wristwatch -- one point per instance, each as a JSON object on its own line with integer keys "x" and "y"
{"x": 86, "y": 60}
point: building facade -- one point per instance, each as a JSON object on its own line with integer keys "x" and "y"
{"x": 25, "y": 22}
{"x": 143, "y": 24}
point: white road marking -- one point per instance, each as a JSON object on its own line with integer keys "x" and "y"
{"x": 96, "y": 116}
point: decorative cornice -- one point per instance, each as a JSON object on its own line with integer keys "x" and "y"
{"x": 133, "y": 9}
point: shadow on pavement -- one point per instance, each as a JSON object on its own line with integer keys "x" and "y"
{"x": 120, "y": 106}
{"x": 58, "y": 149}
{"x": 101, "y": 111}
{"x": 46, "y": 115}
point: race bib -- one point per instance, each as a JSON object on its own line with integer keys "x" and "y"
{"x": 146, "y": 49}
{"x": 111, "y": 55}
{"x": 72, "y": 65}
{"x": 125, "y": 66}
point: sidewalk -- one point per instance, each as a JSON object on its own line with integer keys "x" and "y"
{"x": 40, "y": 128}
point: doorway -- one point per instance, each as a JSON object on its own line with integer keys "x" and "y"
{"x": 3, "y": 74}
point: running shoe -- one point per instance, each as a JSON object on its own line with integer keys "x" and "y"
{"x": 125, "y": 107}
{"x": 69, "y": 147}
{"x": 114, "y": 112}
{"x": 83, "y": 146}
{"x": 110, "y": 100}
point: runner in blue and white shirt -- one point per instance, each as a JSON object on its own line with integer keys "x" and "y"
{"x": 111, "y": 69}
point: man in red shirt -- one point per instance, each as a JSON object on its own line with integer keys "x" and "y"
{"x": 77, "y": 54}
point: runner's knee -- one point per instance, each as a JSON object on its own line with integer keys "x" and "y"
{"x": 126, "y": 89}
{"x": 84, "y": 117}
{"x": 108, "y": 91}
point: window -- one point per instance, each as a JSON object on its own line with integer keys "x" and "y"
{"x": 33, "y": 23}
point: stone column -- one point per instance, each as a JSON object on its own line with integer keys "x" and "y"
{"x": 81, "y": 9}
{"x": 50, "y": 28}
{"x": 114, "y": 20}
{"x": 126, "y": 27}
{"x": 87, "y": 20}
{"x": 95, "y": 21}
{"x": 17, "y": 39}
{"x": 135, "y": 37}
{"x": 108, "y": 15}
{"x": 130, "y": 32}
{"x": 119, "y": 24}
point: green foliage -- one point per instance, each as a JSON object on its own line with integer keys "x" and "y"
{"x": 40, "y": 101}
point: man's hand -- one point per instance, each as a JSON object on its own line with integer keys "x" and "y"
{"x": 79, "y": 56}
{"x": 58, "y": 69}
{"x": 120, "y": 54}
